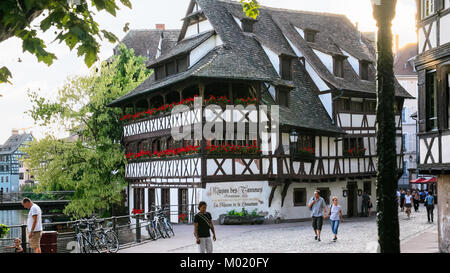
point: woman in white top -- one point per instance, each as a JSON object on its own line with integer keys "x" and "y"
{"x": 335, "y": 214}
{"x": 408, "y": 203}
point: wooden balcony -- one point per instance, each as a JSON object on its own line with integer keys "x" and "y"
{"x": 434, "y": 152}
{"x": 198, "y": 169}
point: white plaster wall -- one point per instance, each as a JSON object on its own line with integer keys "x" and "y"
{"x": 273, "y": 57}
{"x": 423, "y": 151}
{"x": 353, "y": 62}
{"x": 445, "y": 27}
{"x": 174, "y": 205}
{"x": 191, "y": 31}
{"x": 421, "y": 39}
{"x": 222, "y": 203}
{"x": 300, "y": 31}
{"x": 445, "y": 151}
{"x": 433, "y": 36}
{"x": 205, "y": 26}
{"x": 447, "y": 4}
{"x": 238, "y": 22}
{"x": 327, "y": 103}
{"x": 199, "y": 52}
{"x": 321, "y": 85}
{"x": 326, "y": 59}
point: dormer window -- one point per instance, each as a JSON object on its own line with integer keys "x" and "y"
{"x": 364, "y": 70}
{"x": 247, "y": 24}
{"x": 283, "y": 96}
{"x": 172, "y": 67}
{"x": 310, "y": 35}
{"x": 338, "y": 66}
{"x": 286, "y": 68}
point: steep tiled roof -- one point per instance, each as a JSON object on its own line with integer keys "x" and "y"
{"x": 242, "y": 57}
{"x": 13, "y": 143}
{"x": 404, "y": 60}
{"x": 145, "y": 42}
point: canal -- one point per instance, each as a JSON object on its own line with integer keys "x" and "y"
{"x": 13, "y": 218}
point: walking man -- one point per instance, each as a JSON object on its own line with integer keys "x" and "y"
{"x": 429, "y": 203}
{"x": 202, "y": 224}
{"x": 365, "y": 204}
{"x": 34, "y": 224}
{"x": 318, "y": 212}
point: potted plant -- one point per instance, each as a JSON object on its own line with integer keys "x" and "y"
{"x": 4, "y": 230}
{"x": 182, "y": 218}
{"x": 234, "y": 217}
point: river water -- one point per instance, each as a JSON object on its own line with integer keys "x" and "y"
{"x": 13, "y": 218}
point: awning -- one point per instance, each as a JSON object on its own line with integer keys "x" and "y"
{"x": 419, "y": 180}
{"x": 431, "y": 180}
{"x": 424, "y": 180}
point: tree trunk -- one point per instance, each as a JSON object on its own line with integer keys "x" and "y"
{"x": 387, "y": 217}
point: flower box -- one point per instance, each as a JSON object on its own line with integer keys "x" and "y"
{"x": 225, "y": 219}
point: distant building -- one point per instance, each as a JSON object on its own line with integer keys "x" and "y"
{"x": 149, "y": 43}
{"x": 433, "y": 68}
{"x": 12, "y": 171}
{"x": 406, "y": 75}
{"x": 316, "y": 67}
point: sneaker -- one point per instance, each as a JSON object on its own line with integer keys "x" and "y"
{"x": 318, "y": 239}
{"x": 315, "y": 237}
{"x": 334, "y": 240}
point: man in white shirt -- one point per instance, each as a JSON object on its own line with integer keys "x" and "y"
{"x": 34, "y": 224}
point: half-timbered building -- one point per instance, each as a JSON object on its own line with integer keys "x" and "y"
{"x": 316, "y": 67}
{"x": 433, "y": 67}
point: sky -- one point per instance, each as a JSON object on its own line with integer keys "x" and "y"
{"x": 29, "y": 74}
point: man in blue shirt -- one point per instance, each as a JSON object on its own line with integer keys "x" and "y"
{"x": 318, "y": 212}
{"x": 429, "y": 203}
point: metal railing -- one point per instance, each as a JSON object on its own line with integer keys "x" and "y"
{"x": 35, "y": 196}
{"x": 130, "y": 230}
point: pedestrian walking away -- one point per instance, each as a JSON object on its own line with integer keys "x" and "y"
{"x": 370, "y": 205}
{"x": 402, "y": 199}
{"x": 416, "y": 201}
{"x": 365, "y": 204}
{"x": 34, "y": 224}
{"x": 318, "y": 212}
{"x": 408, "y": 203}
{"x": 335, "y": 215}
{"x": 202, "y": 226}
{"x": 429, "y": 204}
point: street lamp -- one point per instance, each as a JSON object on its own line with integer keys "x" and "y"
{"x": 293, "y": 136}
{"x": 387, "y": 177}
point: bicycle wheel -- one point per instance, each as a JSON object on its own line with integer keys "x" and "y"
{"x": 80, "y": 245}
{"x": 152, "y": 231}
{"x": 111, "y": 241}
{"x": 162, "y": 230}
{"x": 169, "y": 228}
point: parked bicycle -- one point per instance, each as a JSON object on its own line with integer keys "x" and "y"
{"x": 159, "y": 226}
{"x": 95, "y": 240}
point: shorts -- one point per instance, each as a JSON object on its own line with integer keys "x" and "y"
{"x": 317, "y": 222}
{"x": 408, "y": 205}
{"x": 35, "y": 241}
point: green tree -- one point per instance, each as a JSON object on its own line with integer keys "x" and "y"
{"x": 71, "y": 20}
{"x": 251, "y": 8}
{"x": 387, "y": 180}
{"x": 93, "y": 164}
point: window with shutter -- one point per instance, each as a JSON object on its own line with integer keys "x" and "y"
{"x": 338, "y": 66}
{"x": 283, "y": 97}
{"x": 431, "y": 101}
{"x": 286, "y": 68}
{"x": 170, "y": 68}
{"x": 160, "y": 72}
{"x": 364, "y": 70}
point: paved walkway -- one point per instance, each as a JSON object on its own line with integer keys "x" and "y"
{"x": 356, "y": 235}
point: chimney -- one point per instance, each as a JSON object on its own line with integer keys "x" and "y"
{"x": 397, "y": 42}
{"x": 15, "y": 132}
{"x": 161, "y": 26}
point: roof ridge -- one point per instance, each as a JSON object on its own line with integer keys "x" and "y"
{"x": 290, "y": 10}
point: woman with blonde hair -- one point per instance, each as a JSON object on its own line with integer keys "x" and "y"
{"x": 335, "y": 215}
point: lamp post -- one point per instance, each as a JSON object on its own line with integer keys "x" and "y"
{"x": 387, "y": 183}
{"x": 293, "y": 138}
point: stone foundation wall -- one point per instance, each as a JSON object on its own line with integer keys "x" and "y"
{"x": 443, "y": 205}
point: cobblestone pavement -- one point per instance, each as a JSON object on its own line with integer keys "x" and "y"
{"x": 356, "y": 235}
